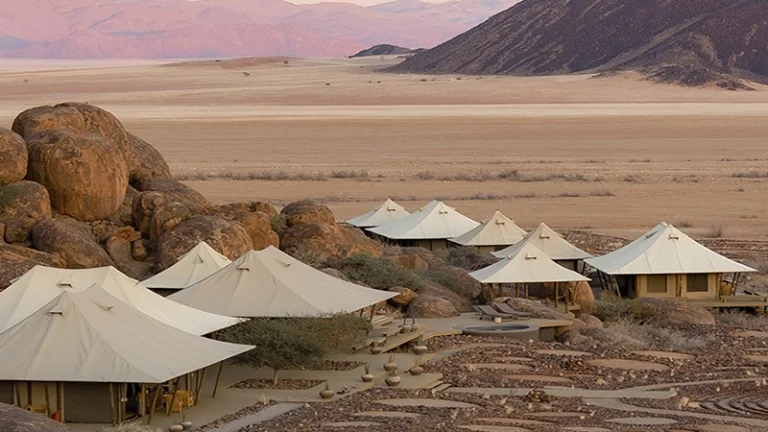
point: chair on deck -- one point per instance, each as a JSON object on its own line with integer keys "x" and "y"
{"x": 489, "y": 311}
{"x": 507, "y": 309}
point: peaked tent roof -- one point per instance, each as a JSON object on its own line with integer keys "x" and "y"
{"x": 550, "y": 242}
{"x": 497, "y": 231}
{"x": 200, "y": 262}
{"x": 271, "y": 283}
{"x": 42, "y": 284}
{"x": 665, "y": 250}
{"x": 528, "y": 264}
{"x": 384, "y": 213}
{"x": 435, "y": 220}
{"x": 91, "y": 336}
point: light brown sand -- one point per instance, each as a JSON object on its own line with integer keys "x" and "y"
{"x": 210, "y": 120}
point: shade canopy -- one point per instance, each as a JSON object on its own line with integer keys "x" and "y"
{"x": 271, "y": 283}
{"x": 665, "y": 250}
{"x": 384, "y": 213}
{"x": 42, "y": 284}
{"x": 528, "y": 264}
{"x": 498, "y": 230}
{"x": 200, "y": 262}
{"x": 548, "y": 241}
{"x": 435, "y": 220}
{"x": 91, "y": 336}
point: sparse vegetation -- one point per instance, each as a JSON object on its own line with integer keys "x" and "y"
{"x": 640, "y": 161}
{"x": 273, "y": 176}
{"x": 306, "y": 255}
{"x": 683, "y": 224}
{"x": 352, "y": 174}
{"x": 751, "y": 175}
{"x": 8, "y": 194}
{"x": 632, "y": 178}
{"x": 278, "y": 223}
{"x": 134, "y": 426}
{"x": 378, "y": 273}
{"x": 570, "y": 195}
{"x": 602, "y": 193}
{"x": 300, "y": 343}
{"x": 717, "y": 231}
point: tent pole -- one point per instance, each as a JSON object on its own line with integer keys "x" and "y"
{"x": 174, "y": 389}
{"x": 29, "y": 393}
{"x": 16, "y": 395}
{"x": 47, "y": 398}
{"x": 63, "y": 403}
{"x": 218, "y": 377}
{"x": 122, "y": 414}
{"x": 143, "y": 401}
{"x": 154, "y": 402}
{"x": 557, "y": 295}
{"x": 200, "y": 380}
{"x": 112, "y": 403}
{"x": 525, "y": 287}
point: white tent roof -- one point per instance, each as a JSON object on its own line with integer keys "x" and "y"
{"x": 550, "y": 242}
{"x": 499, "y": 230}
{"x": 200, "y": 262}
{"x": 91, "y": 336}
{"x": 665, "y": 250}
{"x": 270, "y": 283}
{"x": 384, "y": 213}
{"x": 42, "y": 284}
{"x": 435, "y": 220}
{"x": 528, "y": 265}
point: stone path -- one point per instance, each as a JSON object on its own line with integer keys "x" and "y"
{"x": 570, "y": 392}
{"x": 757, "y": 358}
{"x": 618, "y": 405}
{"x": 387, "y": 414}
{"x": 499, "y": 366}
{"x": 512, "y": 421}
{"x": 540, "y": 378}
{"x": 750, "y": 333}
{"x": 712, "y": 427}
{"x": 262, "y": 416}
{"x": 350, "y": 424}
{"x": 628, "y": 365}
{"x": 564, "y": 352}
{"x": 429, "y": 403}
{"x": 664, "y": 355}
{"x": 643, "y": 421}
{"x": 492, "y": 428}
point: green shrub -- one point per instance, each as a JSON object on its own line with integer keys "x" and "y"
{"x": 378, "y": 273}
{"x": 294, "y": 343}
{"x": 8, "y": 194}
{"x": 279, "y": 223}
{"x": 447, "y": 280}
{"x": 615, "y": 309}
{"x": 468, "y": 258}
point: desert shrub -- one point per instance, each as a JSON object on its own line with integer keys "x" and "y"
{"x": 684, "y": 224}
{"x": 510, "y": 174}
{"x": 306, "y": 255}
{"x": 616, "y": 309}
{"x": 751, "y": 174}
{"x": 130, "y": 427}
{"x": 294, "y": 343}
{"x": 468, "y": 258}
{"x": 717, "y": 231}
{"x": 602, "y": 193}
{"x": 444, "y": 279}
{"x": 660, "y": 337}
{"x": 379, "y": 273}
{"x": 425, "y": 175}
{"x": 278, "y": 223}
{"x": 631, "y": 178}
{"x": 350, "y": 174}
{"x": 8, "y": 194}
{"x": 741, "y": 320}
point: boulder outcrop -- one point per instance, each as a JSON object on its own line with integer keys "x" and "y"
{"x": 13, "y": 154}
{"x": 76, "y": 248}
{"x": 227, "y": 237}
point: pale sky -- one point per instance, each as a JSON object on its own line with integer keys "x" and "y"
{"x": 357, "y": 2}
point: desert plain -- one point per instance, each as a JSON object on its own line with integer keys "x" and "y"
{"x": 615, "y": 155}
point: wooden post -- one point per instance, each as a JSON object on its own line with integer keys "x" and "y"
{"x": 218, "y": 377}
{"x": 557, "y": 295}
{"x": 16, "y": 395}
{"x": 143, "y": 401}
{"x": 200, "y": 380}
{"x": 62, "y": 407}
{"x": 122, "y": 414}
{"x": 47, "y": 399}
{"x": 112, "y": 403}
{"x": 525, "y": 287}
{"x": 29, "y": 393}
{"x": 174, "y": 389}
{"x": 158, "y": 388}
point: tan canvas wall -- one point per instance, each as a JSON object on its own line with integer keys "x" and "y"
{"x": 88, "y": 403}
{"x": 676, "y": 286}
{"x": 432, "y": 245}
{"x": 6, "y": 392}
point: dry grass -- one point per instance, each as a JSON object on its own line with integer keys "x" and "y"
{"x": 258, "y": 175}
{"x": 683, "y": 224}
{"x": 602, "y": 193}
{"x": 717, "y": 231}
{"x": 751, "y": 174}
{"x": 632, "y": 178}
{"x": 509, "y": 174}
{"x": 131, "y": 427}
{"x": 738, "y": 320}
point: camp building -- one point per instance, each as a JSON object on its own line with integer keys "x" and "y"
{"x": 384, "y": 213}
{"x": 553, "y": 245}
{"x": 41, "y": 284}
{"x": 271, "y": 283}
{"x": 664, "y": 262}
{"x": 87, "y": 357}
{"x": 200, "y": 262}
{"x": 527, "y": 266}
{"x": 430, "y": 227}
{"x": 494, "y": 234}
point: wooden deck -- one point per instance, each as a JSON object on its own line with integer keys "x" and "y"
{"x": 759, "y": 303}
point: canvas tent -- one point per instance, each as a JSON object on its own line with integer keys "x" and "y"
{"x": 90, "y": 346}
{"x": 384, "y": 213}
{"x": 526, "y": 266}
{"x": 429, "y": 227}
{"x": 271, "y": 283}
{"x": 552, "y": 244}
{"x": 42, "y": 284}
{"x": 197, "y": 264}
{"x": 494, "y": 234}
{"x": 664, "y": 262}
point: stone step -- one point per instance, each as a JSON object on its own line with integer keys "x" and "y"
{"x": 712, "y": 407}
{"x": 440, "y": 388}
{"x": 401, "y": 339}
{"x": 725, "y": 404}
{"x": 755, "y": 408}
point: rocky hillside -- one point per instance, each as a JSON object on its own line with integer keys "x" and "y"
{"x": 690, "y": 42}
{"x": 383, "y": 50}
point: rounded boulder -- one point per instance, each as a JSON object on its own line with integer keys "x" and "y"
{"x": 85, "y": 175}
{"x": 13, "y": 154}
{"x": 427, "y": 306}
{"x": 227, "y": 237}
{"x": 307, "y": 212}
{"x": 14, "y": 419}
{"x": 77, "y": 248}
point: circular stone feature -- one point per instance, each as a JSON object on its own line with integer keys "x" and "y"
{"x": 539, "y": 378}
{"x": 643, "y": 421}
{"x": 492, "y": 428}
{"x": 563, "y": 353}
{"x": 350, "y": 424}
{"x": 627, "y": 365}
{"x": 498, "y": 366}
{"x": 664, "y": 355}
{"x": 519, "y": 331}
{"x": 712, "y": 427}
{"x": 429, "y": 403}
{"x": 387, "y": 414}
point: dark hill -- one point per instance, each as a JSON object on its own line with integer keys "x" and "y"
{"x": 686, "y": 41}
{"x": 383, "y": 49}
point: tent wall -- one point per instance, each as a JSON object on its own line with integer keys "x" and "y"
{"x": 88, "y": 402}
{"x": 678, "y": 286}
{"x": 6, "y": 392}
{"x": 165, "y": 292}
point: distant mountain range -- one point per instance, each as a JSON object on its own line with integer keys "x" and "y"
{"x": 690, "y": 42}
{"x": 385, "y": 50}
{"x": 94, "y": 29}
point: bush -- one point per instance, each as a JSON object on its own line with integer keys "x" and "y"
{"x": 468, "y": 258}
{"x": 294, "y": 343}
{"x": 8, "y": 194}
{"x": 616, "y": 309}
{"x": 130, "y": 427}
{"x": 378, "y": 273}
{"x": 446, "y": 280}
{"x": 306, "y": 255}
{"x": 278, "y": 223}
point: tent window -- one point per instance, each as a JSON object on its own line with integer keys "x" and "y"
{"x": 657, "y": 283}
{"x": 697, "y": 282}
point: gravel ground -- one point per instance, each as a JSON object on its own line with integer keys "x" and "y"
{"x": 283, "y": 384}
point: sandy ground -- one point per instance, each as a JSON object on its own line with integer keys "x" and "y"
{"x": 646, "y": 152}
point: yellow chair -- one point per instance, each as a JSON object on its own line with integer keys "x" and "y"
{"x": 183, "y": 399}
{"x": 41, "y": 409}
